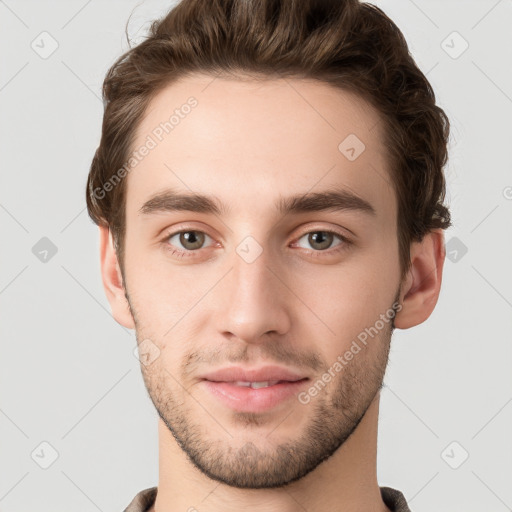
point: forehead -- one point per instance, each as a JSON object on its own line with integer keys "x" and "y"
{"x": 244, "y": 140}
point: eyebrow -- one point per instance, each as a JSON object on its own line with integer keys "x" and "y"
{"x": 329, "y": 200}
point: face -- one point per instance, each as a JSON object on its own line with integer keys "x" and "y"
{"x": 283, "y": 272}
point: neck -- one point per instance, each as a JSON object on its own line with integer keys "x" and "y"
{"x": 346, "y": 481}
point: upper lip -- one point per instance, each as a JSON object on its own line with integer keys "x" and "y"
{"x": 262, "y": 374}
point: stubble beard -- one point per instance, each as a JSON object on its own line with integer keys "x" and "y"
{"x": 333, "y": 416}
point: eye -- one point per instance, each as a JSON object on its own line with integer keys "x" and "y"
{"x": 321, "y": 240}
{"x": 186, "y": 241}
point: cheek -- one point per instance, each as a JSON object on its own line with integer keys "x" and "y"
{"x": 162, "y": 293}
{"x": 352, "y": 296}
{"x": 358, "y": 284}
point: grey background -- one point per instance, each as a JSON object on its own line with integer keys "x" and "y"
{"x": 68, "y": 374}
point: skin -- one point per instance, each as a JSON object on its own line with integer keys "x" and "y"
{"x": 250, "y": 143}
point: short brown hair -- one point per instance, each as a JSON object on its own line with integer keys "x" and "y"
{"x": 350, "y": 45}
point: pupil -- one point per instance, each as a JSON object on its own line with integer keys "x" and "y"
{"x": 322, "y": 238}
{"x": 191, "y": 238}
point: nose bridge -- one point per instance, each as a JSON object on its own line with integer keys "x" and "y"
{"x": 250, "y": 274}
{"x": 252, "y": 303}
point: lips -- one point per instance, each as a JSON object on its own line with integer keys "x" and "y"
{"x": 255, "y": 390}
{"x": 265, "y": 374}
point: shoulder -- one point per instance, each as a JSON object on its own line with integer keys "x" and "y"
{"x": 394, "y": 500}
{"x": 143, "y": 500}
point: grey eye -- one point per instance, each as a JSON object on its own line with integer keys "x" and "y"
{"x": 190, "y": 240}
{"x": 319, "y": 240}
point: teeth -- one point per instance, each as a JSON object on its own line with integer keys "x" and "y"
{"x": 256, "y": 385}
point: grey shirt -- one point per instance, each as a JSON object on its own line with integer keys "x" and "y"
{"x": 393, "y": 499}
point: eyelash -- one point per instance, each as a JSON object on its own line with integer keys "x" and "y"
{"x": 343, "y": 246}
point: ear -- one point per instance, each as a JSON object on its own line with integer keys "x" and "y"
{"x": 421, "y": 286}
{"x": 113, "y": 280}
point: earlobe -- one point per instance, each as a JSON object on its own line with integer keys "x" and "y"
{"x": 113, "y": 280}
{"x": 422, "y": 284}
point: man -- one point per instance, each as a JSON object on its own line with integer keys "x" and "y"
{"x": 269, "y": 191}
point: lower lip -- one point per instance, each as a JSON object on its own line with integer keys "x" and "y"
{"x": 246, "y": 399}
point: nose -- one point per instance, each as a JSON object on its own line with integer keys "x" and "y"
{"x": 253, "y": 300}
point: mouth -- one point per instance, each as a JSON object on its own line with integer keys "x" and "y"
{"x": 264, "y": 375}
{"x": 254, "y": 396}
{"x": 261, "y": 384}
